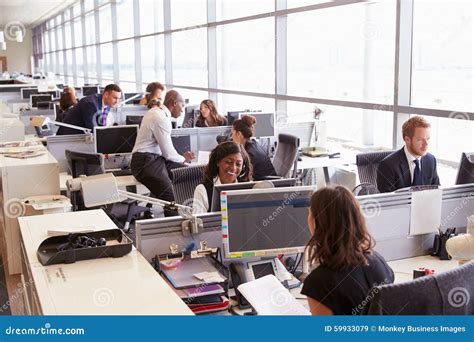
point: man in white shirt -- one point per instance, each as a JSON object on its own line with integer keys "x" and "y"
{"x": 154, "y": 156}
{"x": 412, "y": 165}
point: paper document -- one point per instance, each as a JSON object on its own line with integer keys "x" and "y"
{"x": 425, "y": 216}
{"x": 269, "y": 297}
{"x": 203, "y": 157}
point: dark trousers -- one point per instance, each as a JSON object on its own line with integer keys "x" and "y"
{"x": 154, "y": 172}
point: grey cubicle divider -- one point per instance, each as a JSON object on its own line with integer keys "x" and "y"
{"x": 154, "y": 236}
{"x": 203, "y": 138}
{"x": 25, "y": 116}
{"x": 388, "y": 220}
{"x": 122, "y": 112}
{"x": 57, "y": 145}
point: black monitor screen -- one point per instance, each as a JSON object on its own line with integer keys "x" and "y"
{"x": 90, "y": 90}
{"x": 27, "y": 92}
{"x": 34, "y": 99}
{"x": 190, "y": 115}
{"x": 466, "y": 169}
{"x": 115, "y": 139}
{"x": 231, "y": 117}
{"x": 182, "y": 144}
{"x": 134, "y": 119}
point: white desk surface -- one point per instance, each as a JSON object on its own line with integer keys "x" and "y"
{"x": 403, "y": 268}
{"x": 46, "y": 158}
{"x": 107, "y": 286}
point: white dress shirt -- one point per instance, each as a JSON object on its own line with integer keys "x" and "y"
{"x": 201, "y": 201}
{"x": 411, "y": 164}
{"x": 154, "y": 135}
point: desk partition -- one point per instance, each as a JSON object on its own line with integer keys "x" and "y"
{"x": 57, "y": 145}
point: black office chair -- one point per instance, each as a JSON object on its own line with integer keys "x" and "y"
{"x": 286, "y": 156}
{"x": 367, "y": 164}
{"x": 446, "y": 293}
{"x": 185, "y": 180}
{"x": 90, "y": 164}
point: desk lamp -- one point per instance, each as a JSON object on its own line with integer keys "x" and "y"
{"x": 102, "y": 189}
{"x": 461, "y": 247}
{"x": 40, "y": 121}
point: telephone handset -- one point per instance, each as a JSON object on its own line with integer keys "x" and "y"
{"x": 238, "y": 273}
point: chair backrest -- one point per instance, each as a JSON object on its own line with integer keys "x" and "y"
{"x": 185, "y": 180}
{"x": 446, "y": 293}
{"x": 367, "y": 164}
{"x": 87, "y": 164}
{"x": 286, "y": 155}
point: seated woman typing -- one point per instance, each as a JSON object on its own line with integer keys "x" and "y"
{"x": 228, "y": 163}
{"x": 208, "y": 116}
{"x": 242, "y": 131}
{"x": 340, "y": 243}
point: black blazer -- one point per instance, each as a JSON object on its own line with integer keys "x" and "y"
{"x": 86, "y": 113}
{"x": 393, "y": 172}
{"x": 262, "y": 165}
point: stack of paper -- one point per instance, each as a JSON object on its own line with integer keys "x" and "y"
{"x": 269, "y": 297}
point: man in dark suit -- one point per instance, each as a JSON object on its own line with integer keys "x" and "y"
{"x": 412, "y": 165}
{"x": 91, "y": 110}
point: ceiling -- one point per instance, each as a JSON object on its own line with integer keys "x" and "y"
{"x": 29, "y": 12}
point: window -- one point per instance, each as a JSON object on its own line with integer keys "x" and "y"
{"x": 194, "y": 97}
{"x": 246, "y": 56}
{"x": 78, "y": 32}
{"x": 88, "y": 5}
{"x": 190, "y": 57}
{"x": 91, "y": 62}
{"x": 235, "y": 9}
{"x": 90, "y": 28}
{"x": 153, "y": 59}
{"x": 127, "y": 60}
{"x": 67, "y": 34}
{"x": 125, "y": 19}
{"x": 443, "y": 65}
{"x": 183, "y": 16}
{"x": 344, "y": 53}
{"x": 105, "y": 20}
{"x": 151, "y": 16}
{"x": 70, "y": 69}
{"x": 59, "y": 33}
{"x": 233, "y": 103}
{"x": 107, "y": 60}
{"x": 79, "y": 61}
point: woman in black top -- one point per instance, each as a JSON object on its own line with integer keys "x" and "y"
{"x": 242, "y": 131}
{"x": 228, "y": 163}
{"x": 340, "y": 243}
{"x": 208, "y": 116}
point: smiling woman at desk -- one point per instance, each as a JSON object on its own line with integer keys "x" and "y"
{"x": 341, "y": 244}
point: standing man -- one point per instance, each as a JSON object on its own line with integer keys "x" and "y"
{"x": 412, "y": 165}
{"x": 154, "y": 156}
{"x": 92, "y": 110}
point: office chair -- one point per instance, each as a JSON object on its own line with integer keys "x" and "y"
{"x": 185, "y": 180}
{"x": 286, "y": 156}
{"x": 90, "y": 164}
{"x": 367, "y": 164}
{"x": 446, "y": 293}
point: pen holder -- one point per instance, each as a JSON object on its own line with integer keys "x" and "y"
{"x": 443, "y": 253}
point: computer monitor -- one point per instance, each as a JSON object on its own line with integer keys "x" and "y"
{"x": 136, "y": 100}
{"x": 265, "y": 223}
{"x": 216, "y": 192}
{"x": 190, "y": 115}
{"x": 27, "y": 92}
{"x": 466, "y": 169}
{"x": 34, "y": 99}
{"x": 265, "y": 126}
{"x": 232, "y": 116}
{"x": 133, "y": 120}
{"x": 115, "y": 139}
{"x": 182, "y": 143}
{"x": 90, "y": 90}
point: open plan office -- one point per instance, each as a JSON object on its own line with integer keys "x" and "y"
{"x": 177, "y": 157}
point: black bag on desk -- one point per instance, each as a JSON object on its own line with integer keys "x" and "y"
{"x": 439, "y": 244}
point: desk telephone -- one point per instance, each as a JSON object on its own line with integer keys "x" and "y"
{"x": 256, "y": 269}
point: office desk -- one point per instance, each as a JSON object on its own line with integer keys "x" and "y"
{"x": 122, "y": 181}
{"x": 107, "y": 286}
{"x": 22, "y": 178}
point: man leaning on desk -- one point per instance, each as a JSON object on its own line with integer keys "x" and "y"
{"x": 154, "y": 156}
{"x": 92, "y": 111}
{"x": 411, "y": 165}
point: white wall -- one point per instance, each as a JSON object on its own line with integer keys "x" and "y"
{"x": 19, "y": 54}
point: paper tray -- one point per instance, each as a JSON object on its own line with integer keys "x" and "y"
{"x": 118, "y": 244}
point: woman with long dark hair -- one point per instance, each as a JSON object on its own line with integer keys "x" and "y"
{"x": 228, "y": 163}
{"x": 209, "y": 117}
{"x": 342, "y": 247}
